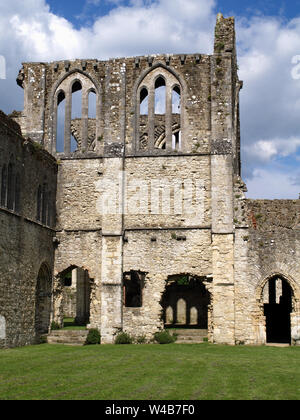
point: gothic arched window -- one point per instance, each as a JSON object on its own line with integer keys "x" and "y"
{"x": 159, "y": 112}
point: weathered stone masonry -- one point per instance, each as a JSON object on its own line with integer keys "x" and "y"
{"x": 150, "y": 195}
{"x": 26, "y": 241}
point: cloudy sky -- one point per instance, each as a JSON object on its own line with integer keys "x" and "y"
{"x": 268, "y": 35}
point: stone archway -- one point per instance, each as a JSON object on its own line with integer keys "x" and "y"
{"x": 277, "y": 295}
{"x": 73, "y": 297}
{"x": 43, "y": 301}
{"x": 186, "y": 303}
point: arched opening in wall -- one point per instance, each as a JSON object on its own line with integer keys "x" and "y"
{"x": 92, "y": 113}
{"x": 76, "y": 109}
{"x": 4, "y": 186}
{"x": 60, "y": 130}
{"x": 39, "y": 197}
{"x": 160, "y": 96}
{"x": 17, "y": 193}
{"x": 143, "y": 119}
{"x": 185, "y": 303}
{"x": 176, "y": 118}
{"x": 44, "y": 209}
{"x": 277, "y": 298}
{"x": 10, "y": 187}
{"x": 43, "y": 301}
{"x": 144, "y": 102}
{"x": 158, "y": 110}
{"x": 160, "y": 113}
{"x": 133, "y": 285}
{"x": 76, "y": 297}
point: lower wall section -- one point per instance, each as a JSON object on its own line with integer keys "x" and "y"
{"x": 25, "y": 247}
{"x": 160, "y": 257}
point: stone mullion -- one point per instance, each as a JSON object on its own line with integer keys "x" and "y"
{"x": 54, "y": 142}
{"x": 151, "y": 118}
{"x": 85, "y": 121}
{"x": 138, "y": 121}
{"x": 68, "y": 117}
{"x": 168, "y": 118}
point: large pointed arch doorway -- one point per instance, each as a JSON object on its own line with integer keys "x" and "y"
{"x": 277, "y": 297}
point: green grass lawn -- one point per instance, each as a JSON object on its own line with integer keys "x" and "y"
{"x": 70, "y": 324}
{"x": 139, "y": 372}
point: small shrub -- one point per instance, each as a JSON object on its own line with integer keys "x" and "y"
{"x": 205, "y": 339}
{"x": 43, "y": 339}
{"x": 123, "y": 338}
{"x": 164, "y": 337}
{"x": 141, "y": 339}
{"x": 54, "y": 326}
{"x": 93, "y": 337}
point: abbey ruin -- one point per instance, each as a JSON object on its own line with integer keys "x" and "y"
{"x": 133, "y": 217}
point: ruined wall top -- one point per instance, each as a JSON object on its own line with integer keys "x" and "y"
{"x": 273, "y": 215}
{"x": 204, "y": 120}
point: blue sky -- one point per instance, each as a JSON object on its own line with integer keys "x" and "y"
{"x": 81, "y": 12}
{"x": 268, "y": 40}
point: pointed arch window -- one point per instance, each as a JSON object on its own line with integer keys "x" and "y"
{"x": 159, "y": 117}
{"x": 76, "y": 115}
{"x": 60, "y": 127}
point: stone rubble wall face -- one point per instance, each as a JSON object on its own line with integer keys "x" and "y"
{"x": 25, "y": 243}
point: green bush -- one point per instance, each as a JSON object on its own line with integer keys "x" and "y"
{"x": 164, "y": 337}
{"x": 141, "y": 339}
{"x": 54, "y": 326}
{"x": 123, "y": 338}
{"x": 93, "y": 337}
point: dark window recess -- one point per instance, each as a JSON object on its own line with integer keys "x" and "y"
{"x": 133, "y": 287}
{"x": 68, "y": 279}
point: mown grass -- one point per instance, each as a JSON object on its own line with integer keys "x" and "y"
{"x": 70, "y": 324}
{"x": 150, "y": 372}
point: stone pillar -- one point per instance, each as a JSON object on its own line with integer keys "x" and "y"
{"x": 181, "y": 312}
{"x": 138, "y": 122}
{"x": 151, "y": 118}
{"x": 112, "y": 251}
{"x": 168, "y": 122}
{"x": 85, "y": 116}
{"x": 80, "y": 296}
{"x": 68, "y": 117}
{"x": 34, "y": 101}
{"x": 223, "y": 72}
{"x": 54, "y": 134}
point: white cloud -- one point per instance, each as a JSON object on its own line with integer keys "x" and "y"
{"x": 272, "y": 184}
{"x": 265, "y": 150}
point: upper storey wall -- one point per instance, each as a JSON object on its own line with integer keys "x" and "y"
{"x": 198, "y": 112}
{"x": 27, "y": 177}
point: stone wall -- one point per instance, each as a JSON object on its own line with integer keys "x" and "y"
{"x": 124, "y": 208}
{"x": 26, "y": 244}
{"x": 267, "y": 245}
